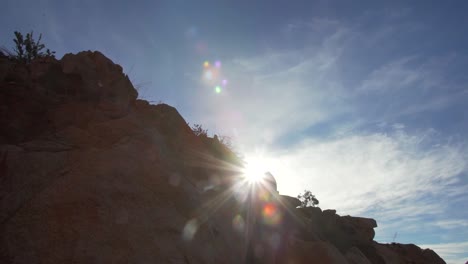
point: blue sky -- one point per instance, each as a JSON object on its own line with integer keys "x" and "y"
{"x": 362, "y": 102}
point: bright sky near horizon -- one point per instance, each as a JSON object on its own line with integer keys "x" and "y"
{"x": 363, "y": 103}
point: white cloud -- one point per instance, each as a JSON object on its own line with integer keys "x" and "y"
{"x": 356, "y": 173}
{"x": 413, "y": 73}
{"x": 435, "y": 104}
{"x": 451, "y": 223}
{"x": 452, "y": 253}
{"x": 394, "y": 75}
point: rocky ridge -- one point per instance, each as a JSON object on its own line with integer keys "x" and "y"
{"x": 91, "y": 174}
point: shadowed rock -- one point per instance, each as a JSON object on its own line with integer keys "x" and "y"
{"x": 90, "y": 174}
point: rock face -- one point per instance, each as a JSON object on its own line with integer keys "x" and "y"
{"x": 90, "y": 174}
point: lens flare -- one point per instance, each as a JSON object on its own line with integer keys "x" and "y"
{"x": 269, "y": 210}
{"x": 209, "y": 75}
{"x": 213, "y": 76}
{"x": 238, "y": 223}
{"x": 271, "y": 214}
{"x": 190, "y": 229}
{"x": 264, "y": 195}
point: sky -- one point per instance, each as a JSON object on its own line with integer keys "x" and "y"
{"x": 362, "y": 102}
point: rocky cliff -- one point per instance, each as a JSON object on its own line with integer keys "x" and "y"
{"x": 91, "y": 174}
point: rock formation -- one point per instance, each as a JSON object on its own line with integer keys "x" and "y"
{"x": 91, "y": 174}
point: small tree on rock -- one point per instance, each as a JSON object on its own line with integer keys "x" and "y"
{"x": 198, "y": 130}
{"x": 27, "y": 49}
{"x": 307, "y": 199}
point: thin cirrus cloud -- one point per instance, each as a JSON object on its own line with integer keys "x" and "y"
{"x": 278, "y": 92}
{"x": 414, "y": 84}
{"x": 394, "y": 75}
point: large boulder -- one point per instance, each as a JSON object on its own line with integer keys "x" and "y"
{"x": 313, "y": 213}
{"x": 347, "y": 231}
{"x": 290, "y": 202}
{"x": 343, "y": 231}
{"x": 47, "y": 95}
{"x": 361, "y": 228}
{"x": 103, "y": 81}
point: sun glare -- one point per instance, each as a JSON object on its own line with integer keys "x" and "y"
{"x": 253, "y": 175}
{"x": 254, "y": 170}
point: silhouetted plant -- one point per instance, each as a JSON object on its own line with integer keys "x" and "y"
{"x": 307, "y": 199}
{"x": 28, "y": 49}
{"x": 226, "y": 141}
{"x": 198, "y": 130}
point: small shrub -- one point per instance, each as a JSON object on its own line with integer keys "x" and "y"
{"x": 221, "y": 145}
{"x": 226, "y": 141}
{"x": 307, "y": 199}
{"x": 198, "y": 130}
{"x": 27, "y": 49}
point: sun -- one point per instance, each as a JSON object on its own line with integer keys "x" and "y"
{"x": 255, "y": 170}
{"x": 253, "y": 174}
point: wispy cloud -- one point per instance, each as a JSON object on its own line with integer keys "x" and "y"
{"x": 412, "y": 85}
{"x": 434, "y": 104}
{"x": 355, "y": 173}
{"x": 279, "y": 92}
{"x": 394, "y": 75}
{"x": 453, "y": 253}
{"x": 451, "y": 223}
